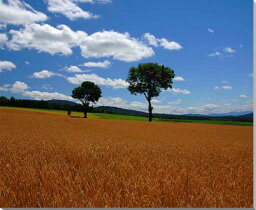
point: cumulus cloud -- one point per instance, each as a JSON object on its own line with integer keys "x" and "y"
{"x": 104, "y": 1}
{"x": 179, "y": 79}
{"x": 117, "y": 45}
{"x": 243, "y": 96}
{"x": 178, "y": 101}
{"x": 4, "y": 87}
{"x": 229, "y": 50}
{"x": 155, "y": 101}
{"x": 169, "y": 45}
{"x": 38, "y": 95}
{"x": 19, "y": 87}
{"x": 69, "y": 9}
{"x": 215, "y": 54}
{"x": 225, "y": 87}
{"x": 46, "y": 87}
{"x": 152, "y": 40}
{"x": 45, "y": 74}
{"x": 45, "y": 38}
{"x": 73, "y": 69}
{"x": 210, "y": 30}
{"x": 170, "y": 108}
{"x": 104, "y": 64}
{"x": 114, "y": 83}
{"x": 19, "y": 13}
{"x": 2, "y": 26}
{"x": 177, "y": 90}
{"x": 6, "y": 66}
{"x": 3, "y": 39}
{"x": 216, "y": 88}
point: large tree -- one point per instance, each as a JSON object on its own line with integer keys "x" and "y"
{"x": 86, "y": 93}
{"x": 149, "y": 79}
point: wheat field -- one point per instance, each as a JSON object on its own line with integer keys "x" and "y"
{"x": 51, "y": 160}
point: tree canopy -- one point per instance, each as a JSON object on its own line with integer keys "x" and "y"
{"x": 149, "y": 79}
{"x": 86, "y": 93}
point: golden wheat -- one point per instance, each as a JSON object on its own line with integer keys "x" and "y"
{"x": 50, "y": 160}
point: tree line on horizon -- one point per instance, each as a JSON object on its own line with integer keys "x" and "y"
{"x": 147, "y": 79}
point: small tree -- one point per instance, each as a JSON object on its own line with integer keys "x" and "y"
{"x": 86, "y": 93}
{"x": 148, "y": 79}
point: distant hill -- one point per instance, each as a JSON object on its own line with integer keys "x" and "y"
{"x": 116, "y": 110}
{"x": 245, "y": 116}
{"x": 231, "y": 114}
{"x": 250, "y": 115}
{"x": 61, "y": 102}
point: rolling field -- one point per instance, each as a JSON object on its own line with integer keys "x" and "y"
{"x": 52, "y": 160}
{"x": 132, "y": 118}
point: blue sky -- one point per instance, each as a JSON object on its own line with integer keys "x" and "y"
{"x": 48, "y": 47}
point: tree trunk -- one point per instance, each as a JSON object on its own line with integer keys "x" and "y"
{"x": 85, "y": 109}
{"x": 150, "y": 108}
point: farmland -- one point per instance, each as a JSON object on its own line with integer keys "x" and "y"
{"x": 52, "y": 160}
{"x": 133, "y": 118}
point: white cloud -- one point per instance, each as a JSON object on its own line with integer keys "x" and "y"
{"x": 3, "y": 39}
{"x": 215, "y": 54}
{"x": 216, "y": 88}
{"x": 152, "y": 40}
{"x": 38, "y": 95}
{"x": 224, "y": 81}
{"x": 73, "y": 69}
{"x": 117, "y": 45}
{"x": 47, "y": 87}
{"x": 169, "y": 45}
{"x": 112, "y": 101}
{"x": 69, "y": 9}
{"x": 2, "y": 26}
{"x": 114, "y": 83}
{"x": 19, "y": 13}
{"x": 210, "y": 30}
{"x": 155, "y": 101}
{"x": 243, "y": 96}
{"x": 104, "y": 1}
{"x": 6, "y": 66}
{"x": 179, "y": 79}
{"x": 170, "y": 109}
{"x": 241, "y": 45}
{"x": 178, "y": 101}
{"x": 4, "y": 87}
{"x": 46, "y": 38}
{"x": 19, "y": 87}
{"x": 227, "y": 87}
{"x": 229, "y": 50}
{"x": 26, "y": 62}
{"x": 45, "y": 74}
{"x": 104, "y": 64}
{"x": 177, "y": 90}
{"x": 94, "y": 1}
